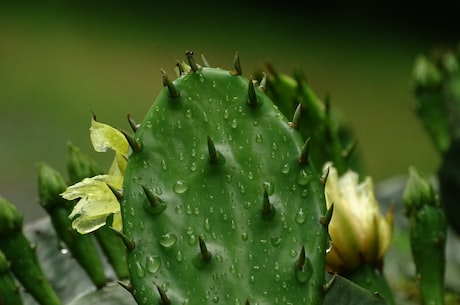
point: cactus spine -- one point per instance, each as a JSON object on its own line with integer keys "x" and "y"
{"x": 220, "y": 200}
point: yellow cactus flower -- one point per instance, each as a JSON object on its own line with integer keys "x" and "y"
{"x": 360, "y": 234}
{"x": 97, "y": 201}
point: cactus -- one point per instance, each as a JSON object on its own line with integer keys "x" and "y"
{"x": 21, "y": 254}
{"x": 9, "y": 291}
{"x": 220, "y": 201}
{"x": 428, "y": 233}
{"x": 436, "y": 80}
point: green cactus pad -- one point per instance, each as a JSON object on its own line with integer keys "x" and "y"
{"x": 220, "y": 198}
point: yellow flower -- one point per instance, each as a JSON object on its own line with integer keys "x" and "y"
{"x": 97, "y": 200}
{"x": 360, "y": 234}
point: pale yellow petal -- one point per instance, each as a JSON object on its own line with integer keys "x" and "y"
{"x": 105, "y": 137}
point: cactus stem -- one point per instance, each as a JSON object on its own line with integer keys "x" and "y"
{"x": 118, "y": 193}
{"x": 205, "y": 254}
{"x": 135, "y": 144}
{"x": 164, "y": 300}
{"x": 191, "y": 61}
{"x": 301, "y": 260}
{"x": 173, "y": 92}
{"x": 129, "y": 243}
{"x": 296, "y": 119}
{"x": 236, "y": 65}
{"x": 128, "y": 286}
{"x": 326, "y": 219}
{"x": 134, "y": 126}
{"x": 252, "y": 97}
{"x": 304, "y": 154}
{"x": 268, "y": 210}
{"x": 215, "y": 157}
{"x": 329, "y": 283}
{"x": 204, "y": 61}
{"x": 154, "y": 204}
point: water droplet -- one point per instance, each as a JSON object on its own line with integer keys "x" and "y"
{"x": 252, "y": 278}
{"x": 300, "y": 217}
{"x": 232, "y": 269}
{"x": 168, "y": 240}
{"x": 192, "y": 239}
{"x": 145, "y": 164}
{"x": 259, "y": 138}
{"x": 275, "y": 241}
{"x": 304, "y": 273}
{"x": 207, "y": 226}
{"x": 285, "y": 168}
{"x": 140, "y": 271}
{"x": 234, "y": 123}
{"x": 163, "y": 164}
{"x": 180, "y": 187}
{"x": 179, "y": 256}
{"x": 269, "y": 187}
{"x": 226, "y": 114}
{"x": 303, "y": 177}
{"x": 274, "y": 146}
{"x": 188, "y": 113}
{"x": 293, "y": 253}
{"x": 250, "y": 176}
{"x": 193, "y": 166}
{"x": 158, "y": 190}
{"x": 244, "y": 236}
{"x": 215, "y": 299}
{"x": 229, "y": 178}
{"x": 178, "y": 209}
{"x": 153, "y": 264}
{"x": 62, "y": 247}
{"x": 205, "y": 117}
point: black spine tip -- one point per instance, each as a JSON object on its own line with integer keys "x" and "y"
{"x": 236, "y": 65}
{"x": 132, "y": 123}
{"x": 118, "y": 193}
{"x": 135, "y": 144}
{"x": 172, "y": 89}
{"x": 252, "y": 97}
{"x": 268, "y": 210}
{"x": 326, "y": 219}
{"x": 295, "y": 123}
{"x": 164, "y": 300}
{"x": 300, "y": 263}
{"x": 305, "y": 153}
{"x": 191, "y": 61}
{"x": 129, "y": 243}
{"x": 205, "y": 254}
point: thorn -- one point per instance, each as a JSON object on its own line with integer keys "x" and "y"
{"x": 172, "y": 89}
{"x": 215, "y": 157}
{"x": 300, "y": 263}
{"x": 136, "y": 145}
{"x": 328, "y": 285}
{"x": 128, "y": 287}
{"x": 252, "y": 97}
{"x": 191, "y": 61}
{"x": 154, "y": 204}
{"x": 268, "y": 210}
{"x": 247, "y": 302}
{"x": 304, "y": 155}
{"x": 205, "y": 254}
{"x": 180, "y": 68}
{"x": 118, "y": 193}
{"x": 296, "y": 119}
{"x": 205, "y": 61}
{"x": 326, "y": 219}
{"x": 132, "y": 123}
{"x": 236, "y": 65}
{"x": 323, "y": 178}
{"x": 164, "y": 300}
{"x": 129, "y": 243}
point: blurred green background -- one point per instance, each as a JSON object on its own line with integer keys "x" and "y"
{"x": 62, "y": 61}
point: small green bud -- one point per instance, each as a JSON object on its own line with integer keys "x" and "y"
{"x": 10, "y": 218}
{"x": 419, "y": 191}
{"x": 50, "y": 185}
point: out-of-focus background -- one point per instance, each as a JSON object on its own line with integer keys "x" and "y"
{"x": 62, "y": 61}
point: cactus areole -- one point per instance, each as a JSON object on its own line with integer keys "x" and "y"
{"x": 220, "y": 200}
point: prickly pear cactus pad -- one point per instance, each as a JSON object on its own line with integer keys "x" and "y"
{"x": 220, "y": 203}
